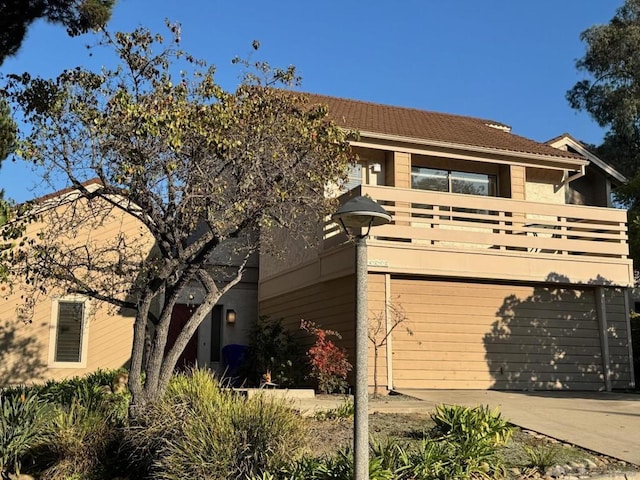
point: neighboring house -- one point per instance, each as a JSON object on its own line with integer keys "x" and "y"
{"x": 57, "y": 335}
{"x": 505, "y": 253}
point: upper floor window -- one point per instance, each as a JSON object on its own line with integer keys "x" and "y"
{"x": 355, "y": 177}
{"x": 68, "y": 339}
{"x": 439, "y": 180}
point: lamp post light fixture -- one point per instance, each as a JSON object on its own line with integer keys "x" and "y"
{"x": 357, "y": 214}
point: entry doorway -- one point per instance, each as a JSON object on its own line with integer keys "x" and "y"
{"x": 179, "y": 317}
{"x": 216, "y": 337}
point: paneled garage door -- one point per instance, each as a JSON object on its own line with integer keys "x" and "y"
{"x": 480, "y": 336}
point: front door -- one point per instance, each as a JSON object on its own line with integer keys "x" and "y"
{"x": 179, "y": 317}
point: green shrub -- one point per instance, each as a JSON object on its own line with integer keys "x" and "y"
{"x": 93, "y": 392}
{"x": 79, "y": 443}
{"x": 391, "y": 456}
{"x": 23, "y": 420}
{"x": 199, "y": 430}
{"x": 433, "y": 459}
{"x": 275, "y": 349}
{"x": 65, "y": 429}
{"x": 343, "y": 411}
{"x": 90, "y": 389}
{"x": 541, "y": 456}
{"x": 464, "y": 442}
{"x": 338, "y": 467}
{"x": 477, "y": 424}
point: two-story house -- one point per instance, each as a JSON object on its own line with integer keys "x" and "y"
{"x": 505, "y": 254}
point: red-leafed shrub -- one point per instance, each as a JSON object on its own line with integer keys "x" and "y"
{"x": 329, "y": 364}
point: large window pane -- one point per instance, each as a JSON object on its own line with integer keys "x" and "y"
{"x": 473, "y": 183}
{"x": 69, "y": 332}
{"x": 438, "y": 180}
{"x": 429, "y": 179}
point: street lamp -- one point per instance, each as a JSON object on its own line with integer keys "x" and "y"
{"x": 358, "y": 213}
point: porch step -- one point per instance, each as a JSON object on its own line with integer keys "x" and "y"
{"x": 289, "y": 393}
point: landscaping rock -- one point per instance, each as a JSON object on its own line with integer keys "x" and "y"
{"x": 557, "y": 471}
{"x": 590, "y": 464}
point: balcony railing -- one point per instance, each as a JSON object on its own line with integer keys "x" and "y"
{"x": 436, "y": 220}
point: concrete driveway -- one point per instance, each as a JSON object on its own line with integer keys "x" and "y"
{"x": 608, "y": 423}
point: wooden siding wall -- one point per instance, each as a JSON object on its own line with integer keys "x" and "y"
{"x": 517, "y": 182}
{"x": 24, "y": 347}
{"x": 399, "y": 170}
{"x": 329, "y": 304}
{"x": 618, "y": 338}
{"x": 479, "y": 336}
{"x": 377, "y": 320}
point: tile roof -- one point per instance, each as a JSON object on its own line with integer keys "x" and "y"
{"x": 65, "y": 191}
{"x": 430, "y": 126}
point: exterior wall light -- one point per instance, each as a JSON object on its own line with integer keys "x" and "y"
{"x": 231, "y": 317}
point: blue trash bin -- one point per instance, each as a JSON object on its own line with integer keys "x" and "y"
{"x": 232, "y": 358}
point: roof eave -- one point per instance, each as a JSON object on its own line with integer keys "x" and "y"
{"x": 566, "y": 139}
{"x": 570, "y": 161}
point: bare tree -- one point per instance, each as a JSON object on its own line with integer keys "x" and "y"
{"x": 207, "y": 173}
{"x": 381, "y": 326}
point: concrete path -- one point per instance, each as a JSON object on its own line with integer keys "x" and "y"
{"x": 608, "y": 423}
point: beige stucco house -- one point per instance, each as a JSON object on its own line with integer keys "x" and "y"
{"x": 506, "y": 255}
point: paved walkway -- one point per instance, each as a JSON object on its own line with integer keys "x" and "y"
{"x": 608, "y": 423}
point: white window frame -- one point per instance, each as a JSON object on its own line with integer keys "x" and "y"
{"x": 53, "y": 331}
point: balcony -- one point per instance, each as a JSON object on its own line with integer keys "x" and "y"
{"x": 472, "y": 236}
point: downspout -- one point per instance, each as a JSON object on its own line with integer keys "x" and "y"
{"x": 387, "y": 316}
{"x": 627, "y": 309}
{"x": 601, "y": 309}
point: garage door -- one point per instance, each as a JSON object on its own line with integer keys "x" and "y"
{"x": 480, "y": 336}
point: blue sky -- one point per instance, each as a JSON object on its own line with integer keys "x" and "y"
{"x": 505, "y": 60}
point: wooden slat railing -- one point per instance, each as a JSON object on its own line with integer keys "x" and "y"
{"x": 438, "y": 220}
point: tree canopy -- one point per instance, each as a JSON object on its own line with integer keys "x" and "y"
{"x": 77, "y": 16}
{"x": 206, "y": 172}
{"x": 611, "y": 95}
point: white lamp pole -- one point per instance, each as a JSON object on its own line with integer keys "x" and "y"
{"x": 357, "y": 213}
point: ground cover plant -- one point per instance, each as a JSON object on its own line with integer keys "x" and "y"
{"x": 62, "y": 429}
{"x": 23, "y": 417}
{"x": 76, "y": 429}
{"x": 399, "y": 446}
{"x": 200, "y": 430}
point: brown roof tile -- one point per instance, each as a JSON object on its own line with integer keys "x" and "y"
{"x": 430, "y": 126}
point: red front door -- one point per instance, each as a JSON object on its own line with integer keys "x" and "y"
{"x": 179, "y": 317}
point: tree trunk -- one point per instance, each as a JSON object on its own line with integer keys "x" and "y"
{"x": 137, "y": 352}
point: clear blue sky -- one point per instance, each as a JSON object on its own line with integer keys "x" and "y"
{"x": 505, "y": 60}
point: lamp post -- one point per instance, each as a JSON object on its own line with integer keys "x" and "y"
{"x": 356, "y": 214}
